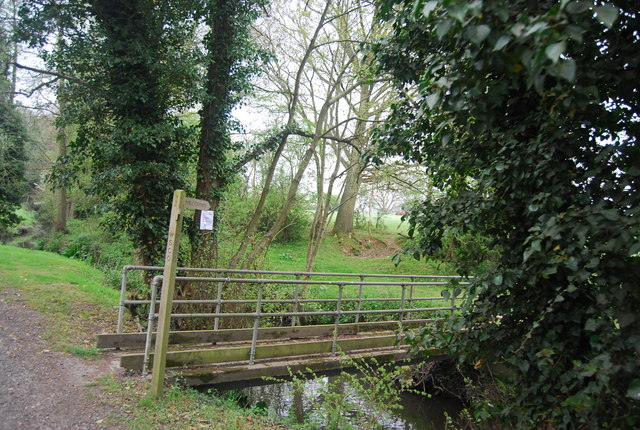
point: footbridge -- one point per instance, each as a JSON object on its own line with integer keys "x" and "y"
{"x": 249, "y": 324}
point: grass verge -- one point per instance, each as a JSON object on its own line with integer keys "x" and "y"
{"x": 180, "y": 408}
{"x": 71, "y": 294}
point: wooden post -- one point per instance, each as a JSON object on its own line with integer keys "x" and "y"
{"x": 168, "y": 286}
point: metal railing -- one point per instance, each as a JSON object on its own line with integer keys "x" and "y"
{"x": 298, "y": 281}
{"x": 401, "y": 307}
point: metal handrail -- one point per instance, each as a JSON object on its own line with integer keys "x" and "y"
{"x": 216, "y": 301}
{"x": 297, "y": 282}
{"x": 406, "y": 306}
{"x": 290, "y": 273}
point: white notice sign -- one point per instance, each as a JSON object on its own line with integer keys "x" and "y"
{"x": 206, "y": 220}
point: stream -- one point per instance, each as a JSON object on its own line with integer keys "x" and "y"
{"x": 308, "y": 404}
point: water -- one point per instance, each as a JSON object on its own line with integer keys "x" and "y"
{"x": 418, "y": 412}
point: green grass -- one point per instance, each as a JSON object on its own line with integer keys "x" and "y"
{"x": 390, "y": 223}
{"x": 28, "y": 217}
{"x": 179, "y": 408}
{"x": 292, "y": 257}
{"x": 77, "y": 305}
{"x": 331, "y": 258}
{"x": 84, "y": 352}
{"x": 71, "y": 294}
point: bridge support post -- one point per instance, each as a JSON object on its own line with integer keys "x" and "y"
{"x": 295, "y": 320}
{"x": 150, "y": 324}
{"x": 359, "y": 299}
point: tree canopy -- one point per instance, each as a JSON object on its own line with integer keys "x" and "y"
{"x": 128, "y": 68}
{"x": 13, "y": 184}
{"x": 526, "y": 114}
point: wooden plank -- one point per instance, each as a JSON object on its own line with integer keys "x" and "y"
{"x": 136, "y": 340}
{"x": 201, "y": 205}
{"x": 281, "y": 369}
{"x": 168, "y": 286}
{"x": 241, "y": 353}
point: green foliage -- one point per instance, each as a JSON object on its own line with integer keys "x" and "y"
{"x": 13, "y": 186}
{"x": 129, "y": 68}
{"x": 238, "y": 206}
{"x": 526, "y": 114}
{"x": 88, "y": 242}
{"x": 471, "y": 254}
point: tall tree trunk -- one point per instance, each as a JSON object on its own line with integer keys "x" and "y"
{"x": 346, "y": 210}
{"x": 226, "y": 21}
{"x": 60, "y": 222}
{"x": 323, "y": 213}
{"x": 214, "y": 135}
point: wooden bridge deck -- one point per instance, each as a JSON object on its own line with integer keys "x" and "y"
{"x": 208, "y": 357}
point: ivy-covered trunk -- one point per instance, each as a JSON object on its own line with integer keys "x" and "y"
{"x": 214, "y": 133}
{"x": 229, "y": 64}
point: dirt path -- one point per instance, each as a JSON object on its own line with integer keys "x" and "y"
{"x": 43, "y": 389}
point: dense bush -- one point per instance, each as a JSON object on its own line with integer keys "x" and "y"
{"x": 88, "y": 242}
{"x": 239, "y": 204}
{"x": 526, "y": 114}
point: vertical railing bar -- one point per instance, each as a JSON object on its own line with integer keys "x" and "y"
{"x": 150, "y": 324}
{"x": 337, "y": 322}
{"x": 412, "y": 279}
{"x": 453, "y": 303}
{"x": 123, "y": 293}
{"x": 359, "y": 299}
{"x": 216, "y": 321}
{"x": 404, "y": 288}
{"x": 295, "y": 319}
{"x": 256, "y": 324}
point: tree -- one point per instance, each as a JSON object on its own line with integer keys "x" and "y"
{"x": 127, "y": 70}
{"x": 13, "y": 134}
{"x": 231, "y": 60}
{"x": 526, "y": 114}
{"x": 289, "y": 87}
{"x": 320, "y": 80}
{"x": 12, "y": 158}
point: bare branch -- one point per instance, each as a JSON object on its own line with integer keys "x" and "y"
{"x": 37, "y": 88}
{"x": 47, "y": 72}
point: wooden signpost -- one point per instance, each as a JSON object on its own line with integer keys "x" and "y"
{"x": 180, "y": 203}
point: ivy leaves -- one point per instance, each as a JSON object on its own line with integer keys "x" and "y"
{"x": 133, "y": 73}
{"x": 523, "y": 113}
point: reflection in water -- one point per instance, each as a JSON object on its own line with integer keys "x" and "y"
{"x": 417, "y": 413}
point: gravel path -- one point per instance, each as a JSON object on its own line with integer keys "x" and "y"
{"x": 43, "y": 389}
